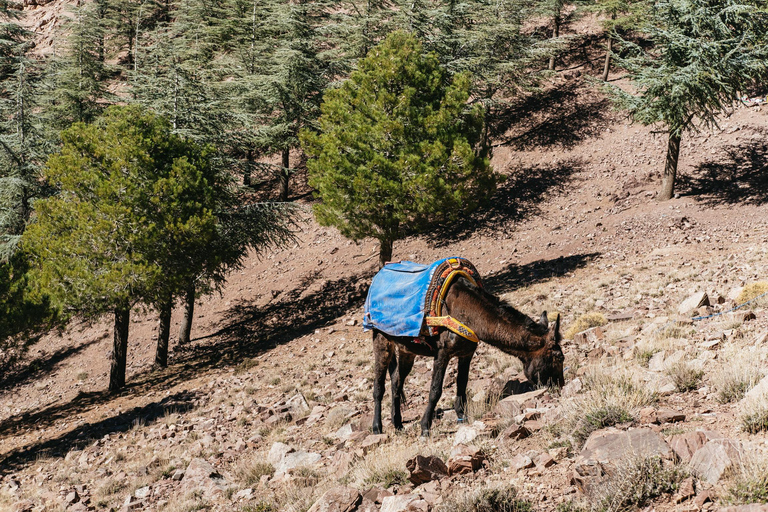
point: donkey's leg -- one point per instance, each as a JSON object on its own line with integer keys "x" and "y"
{"x": 383, "y": 352}
{"x": 462, "y": 377}
{"x": 397, "y": 378}
{"x": 435, "y": 390}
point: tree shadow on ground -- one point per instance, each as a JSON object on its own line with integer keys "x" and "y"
{"x": 34, "y": 369}
{"x": 516, "y": 276}
{"x": 560, "y": 117}
{"x": 519, "y": 197}
{"x": 739, "y": 176}
{"x": 85, "y": 434}
{"x": 249, "y": 330}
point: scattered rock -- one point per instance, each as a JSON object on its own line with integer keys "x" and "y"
{"x": 572, "y": 388}
{"x": 758, "y": 391}
{"x": 693, "y": 302}
{"x": 202, "y": 476}
{"x": 295, "y": 460}
{"x": 22, "y": 506}
{"x": 372, "y": 441}
{"x": 297, "y": 405}
{"x": 338, "y": 499}
{"x": 398, "y": 503}
{"x": 465, "y": 435}
{"x": 513, "y": 432}
{"x": 685, "y": 445}
{"x": 592, "y": 335}
{"x": 465, "y": 459}
{"x": 72, "y": 497}
{"x": 143, "y": 492}
{"x": 611, "y": 445}
{"x": 340, "y": 464}
{"x": 711, "y": 461}
{"x": 685, "y": 491}
{"x": 754, "y": 507}
{"x": 669, "y": 416}
{"x": 424, "y": 469}
{"x": 277, "y": 452}
{"x": 544, "y": 460}
{"x": 520, "y": 462}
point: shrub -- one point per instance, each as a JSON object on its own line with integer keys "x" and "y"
{"x": 754, "y": 419}
{"x": 584, "y": 322}
{"x": 752, "y": 291}
{"x": 596, "y": 419}
{"x": 488, "y": 499}
{"x": 634, "y": 484}
{"x": 685, "y": 376}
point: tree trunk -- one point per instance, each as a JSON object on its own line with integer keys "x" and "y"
{"x": 163, "y": 333}
{"x": 607, "y": 66}
{"x": 670, "y": 167}
{"x": 189, "y": 312}
{"x": 385, "y": 252}
{"x": 284, "y": 175}
{"x": 248, "y": 164}
{"x": 555, "y": 35}
{"x": 119, "y": 349}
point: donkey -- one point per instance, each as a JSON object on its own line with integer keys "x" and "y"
{"x": 537, "y": 345}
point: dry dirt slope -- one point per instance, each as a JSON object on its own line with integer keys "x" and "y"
{"x": 574, "y": 229}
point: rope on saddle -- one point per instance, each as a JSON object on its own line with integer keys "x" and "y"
{"x": 444, "y": 275}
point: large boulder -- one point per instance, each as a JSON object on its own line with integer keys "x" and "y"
{"x": 685, "y": 445}
{"x": 612, "y": 445}
{"x": 200, "y": 475}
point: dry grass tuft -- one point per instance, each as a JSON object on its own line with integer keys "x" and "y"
{"x": 754, "y": 418}
{"x": 685, "y": 376}
{"x": 610, "y": 396}
{"x": 631, "y": 486}
{"x": 487, "y": 499}
{"x": 249, "y": 471}
{"x": 584, "y": 322}
{"x": 750, "y": 483}
{"x": 752, "y": 291}
{"x": 385, "y": 465}
{"x": 736, "y": 374}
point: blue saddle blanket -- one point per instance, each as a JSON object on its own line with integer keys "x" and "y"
{"x": 396, "y": 301}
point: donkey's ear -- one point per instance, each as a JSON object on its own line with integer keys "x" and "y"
{"x": 557, "y": 323}
{"x": 544, "y": 320}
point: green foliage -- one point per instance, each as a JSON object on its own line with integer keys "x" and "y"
{"x": 134, "y": 202}
{"x": 76, "y": 89}
{"x": 704, "y": 53}
{"x": 599, "y": 418}
{"x": 396, "y": 147}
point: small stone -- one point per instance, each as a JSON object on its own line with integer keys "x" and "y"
{"x": 465, "y": 459}
{"x": 372, "y": 441}
{"x": 693, "y": 302}
{"x": 143, "y": 492}
{"x": 685, "y": 491}
{"x": 544, "y": 460}
{"x": 338, "y": 499}
{"x": 514, "y": 432}
{"x": 22, "y": 506}
{"x": 669, "y": 416}
{"x": 685, "y": 445}
{"x": 131, "y": 503}
{"x": 177, "y": 475}
{"x": 591, "y": 335}
{"x": 398, "y": 503}
{"x": 520, "y": 462}
{"x": 465, "y": 435}
{"x": 711, "y": 461}
{"x": 72, "y": 497}
{"x": 423, "y": 469}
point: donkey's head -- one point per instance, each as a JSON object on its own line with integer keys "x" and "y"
{"x": 545, "y": 366}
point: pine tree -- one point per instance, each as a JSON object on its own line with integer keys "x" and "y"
{"x": 134, "y": 202}
{"x": 396, "y": 147}
{"x": 704, "y": 53}
{"x": 75, "y": 84}
{"x": 622, "y": 16}
{"x": 295, "y": 76}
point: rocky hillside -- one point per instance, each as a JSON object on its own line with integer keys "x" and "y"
{"x": 665, "y": 405}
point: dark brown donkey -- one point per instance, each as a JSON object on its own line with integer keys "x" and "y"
{"x": 496, "y": 323}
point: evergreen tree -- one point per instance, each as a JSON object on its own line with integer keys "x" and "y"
{"x": 76, "y": 82}
{"x": 396, "y": 147}
{"x": 134, "y": 201}
{"x": 295, "y": 76}
{"x": 622, "y": 16}
{"x": 704, "y": 53}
